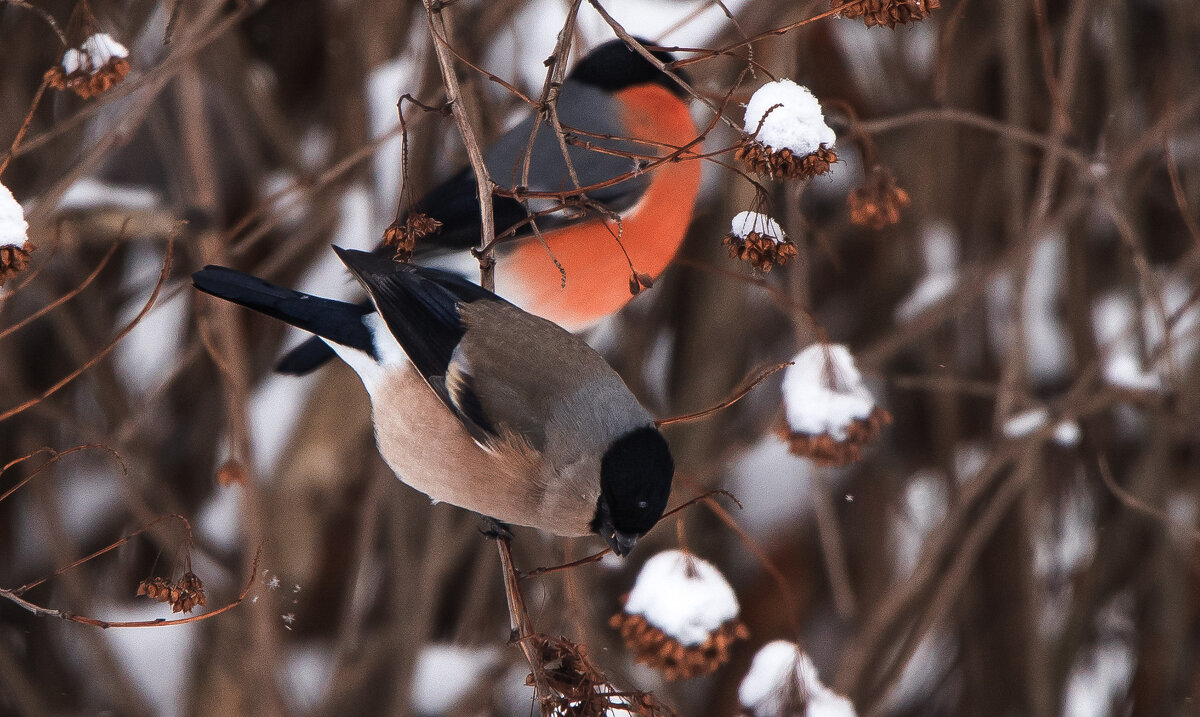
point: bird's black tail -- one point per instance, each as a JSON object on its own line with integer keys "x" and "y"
{"x": 337, "y": 321}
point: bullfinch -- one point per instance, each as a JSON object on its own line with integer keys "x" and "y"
{"x": 481, "y": 404}
{"x": 580, "y": 270}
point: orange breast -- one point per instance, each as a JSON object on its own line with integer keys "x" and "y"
{"x": 597, "y": 271}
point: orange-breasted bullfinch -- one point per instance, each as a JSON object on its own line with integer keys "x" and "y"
{"x": 481, "y": 404}
{"x": 612, "y": 92}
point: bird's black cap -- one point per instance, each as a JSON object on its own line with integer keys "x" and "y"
{"x": 635, "y": 482}
{"x": 615, "y": 66}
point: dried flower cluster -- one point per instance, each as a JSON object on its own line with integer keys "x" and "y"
{"x": 653, "y": 647}
{"x": 403, "y": 235}
{"x": 578, "y": 688}
{"x": 784, "y": 163}
{"x": 13, "y": 260}
{"x": 91, "y": 69}
{"x": 885, "y": 13}
{"x": 183, "y": 596}
{"x": 759, "y": 240}
{"x": 786, "y": 134}
{"x": 829, "y": 414}
{"x": 681, "y": 616}
{"x": 878, "y": 202}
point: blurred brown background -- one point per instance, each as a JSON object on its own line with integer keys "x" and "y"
{"x": 1049, "y": 257}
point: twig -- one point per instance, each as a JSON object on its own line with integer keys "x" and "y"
{"x": 737, "y": 396}
{"x": 37, "y": 99}
{"x": 1129, "y": 500}
{"x": 157, "y": 622}
{"x": 483, "y": 181}
{"x": 70, "y": 294}
{"x": 162, "y": 278}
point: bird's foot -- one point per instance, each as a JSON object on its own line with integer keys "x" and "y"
{"x": 496, "y": 530}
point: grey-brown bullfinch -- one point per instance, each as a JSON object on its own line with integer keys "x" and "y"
{"x": 481, "y": 404}
{"x": 612, "y": 92}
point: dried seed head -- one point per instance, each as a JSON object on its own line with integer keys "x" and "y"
{"x": 403, "y": 235}
{"x": 886, "y": 13}
{"x": 786, "y": 134}
{"x": 91, "y": 69}
{"x": 187, "y": 593}
{"x": 155, "y": 589}
{"x": 878, "y": 202}
{"x": 681, "y": 616}
{"x": 758, "y": 239}
{"x": 13, "y": 260}
{"x": 576, "y": 687}
{"x": 784, "y": 164}
{"x": 829, "y": 414}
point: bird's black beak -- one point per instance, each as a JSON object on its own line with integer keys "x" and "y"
{"x": 621, "y": 543}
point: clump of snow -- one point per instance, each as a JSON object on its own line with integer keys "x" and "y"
{"x": 746, "y": 222}
{"x": 1025, "y": 423}
{"x": 795, "y": 123}
{"x": 93, "y": 54}
{"x": 445, "y": 673}
{"x": 823, "y": 393}
{"x": 90, "y": 193}
{"x": 939, "y": 245}
{"x": 782, "y": 676}
{"x": 1124, "y": 370}
{"x": 1067, "y": 433}
{"x": 685, "y": 597}
{"x": 931, "y": 290}
{"x": 13, "y": 227}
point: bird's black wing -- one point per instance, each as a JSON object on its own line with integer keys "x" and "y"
{"x": 420, "y": 308}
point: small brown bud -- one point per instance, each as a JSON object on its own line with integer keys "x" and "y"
{"x": 14, "y": 260}
{"x": 232, "y": 472}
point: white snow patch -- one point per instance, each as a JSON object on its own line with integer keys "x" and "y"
{"x": 1067, "y": 433}
{"x": 923, "y": 507}
{"x": 795, "y": 123}
{"x": 1098, "y": 680}
{"x": 274, "y": 407}
{"x": 1065, "y": 539}
{"x": 149, "y": 353}
{"x": 446, "y": 673}
{"x": 930, "y": 291}
{"x": 90, "y": 193}
{"x": 746, "y": 222}
{"x": 93, "y": 54}
{"x": 220, "y": 518}
{"x": 782, "y": 673}
{"x": 157, "y": 659}
{"x": 823, "y": 393}
{"x": 385, "y": 85}
{"x": 773, "y": 485}
{"x": 682, "y": 595}
{"x": 307, "y": 674}
{"x": 1025, "y": 423}
{"x": 939, "y": 246}
{"x": 13, "y": 227}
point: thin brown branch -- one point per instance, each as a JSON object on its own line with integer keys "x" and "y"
{"x": 738, "y": 395}
{"x": 95, "y": 359}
